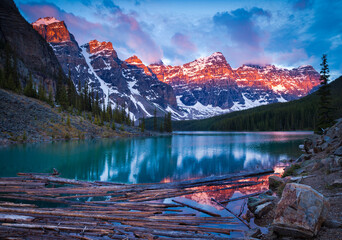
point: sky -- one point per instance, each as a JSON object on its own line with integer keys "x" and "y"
{"x": 288, "y": 33}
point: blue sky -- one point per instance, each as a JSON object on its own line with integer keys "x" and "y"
{"x": 286, "y": 33}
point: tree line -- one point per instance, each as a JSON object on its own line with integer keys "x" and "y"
{"x": 82, "y": 99}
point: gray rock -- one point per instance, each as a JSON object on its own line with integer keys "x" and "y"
{"x": 327, "y": 139}
{"x": 316, "y": 166}
{"x": 263, "y": 209}
{"x": 337, "y": 183}
{"x": 308, "y": 144}
{"x": 300, "y": 212}
{"x": 338, "y": 151}
{"x": 327, "y": 162}
{"x": 330, "y": 223}
{"x": 253, "y": 233}
{"x": 324, "y": 146}
{"x": 338, "y": 161}
{"x": 254, "y": 202}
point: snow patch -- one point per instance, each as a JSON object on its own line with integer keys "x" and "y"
{"x": 45, "y": 21}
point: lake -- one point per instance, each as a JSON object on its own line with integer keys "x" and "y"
{"x": 184, "y": 155}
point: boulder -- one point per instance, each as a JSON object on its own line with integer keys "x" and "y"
{"x": 263, "y": 209}
{"x": 253, "y": 233}
{"x": 327, "y": 139}
{"x": 337, "y": 183}
{"x": 254, "y": 202}
{"x": 324, "y": 146}
{"x": 338, "y": 161}
{"x": 275, "y": 182}
{"x": 308, "y": 144}
{"x": 330, "y": 223}
{"x": 300, "y": 212}
{"x": 327, "y": 162}
{"x": 317, "y": 166}
{"x": 338, "y": 151}
{"x": 303, "y": 157}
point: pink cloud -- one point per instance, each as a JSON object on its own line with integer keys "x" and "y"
{"x": 293, "y": 57}
{"x": 183, "y": 44}
{"x": 138, "y": 40}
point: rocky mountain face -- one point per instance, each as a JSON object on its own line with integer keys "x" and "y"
{"x": 65, "y": 47}
{"x": 119, "y": 83}
{"x": 33, "y": 54}
{"x": 202, "y": 88}
{"x": 209, "y": 86}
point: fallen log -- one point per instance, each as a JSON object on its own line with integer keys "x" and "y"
{"x": 56, "y": 179}
{"x": 56, "y": 227}
{"x": 15, "y": 218}
{"x": 212, "y": 199}
{"x": 198, "y": 209}
{"x": 242, "y": 197}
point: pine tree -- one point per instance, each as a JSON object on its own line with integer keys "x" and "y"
{"x": 165, "y": 123}
{"x": 142, "y": 125}
{"x": 168, "y": 122}
{"x": 29, "y": 91}
{"x": 63, "y": 100}
{"x": 71, "y": 91}
{"x": 2, "y": 78}
{"x": 41, "y": 93}
{"x": 68, "y": 121}
{"x": 325, "y": 118}
{"x": 50, "y": 99}
{"x": 16, "y": 81}
{"x": 59, "y": 86}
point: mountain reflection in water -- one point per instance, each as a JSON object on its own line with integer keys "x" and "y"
{"x": 154, "y": 159}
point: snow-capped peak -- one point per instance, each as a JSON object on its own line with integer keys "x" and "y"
{"x": 45, "y": 21}
{"x": 215, "y": 57}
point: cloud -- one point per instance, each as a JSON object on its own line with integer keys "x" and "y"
{"x": 302, "y": 4}
{"x": 183, "y": 44}
{"x": 122, "y": 29}
{"x": 240, "y": 26}
{"x": 131, "y": 33}
{"x": 293, "y": 57}
{"x": 243, "y": 35}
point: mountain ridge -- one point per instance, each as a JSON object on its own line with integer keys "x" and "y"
{"x": 97, "y": 67}
{"x": 205, "y": 87}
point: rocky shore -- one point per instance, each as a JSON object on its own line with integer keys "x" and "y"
{"x": 307, "y": 199}
{"x": 28, "y": 120}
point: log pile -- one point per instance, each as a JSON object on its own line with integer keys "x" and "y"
{"x": 37, "y": 206}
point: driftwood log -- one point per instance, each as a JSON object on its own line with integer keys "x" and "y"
{"x": 40, "y": 205}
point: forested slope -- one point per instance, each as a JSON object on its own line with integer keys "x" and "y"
{"x": 295, "y": 115}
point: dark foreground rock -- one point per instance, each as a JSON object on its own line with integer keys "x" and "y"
{"x": 300, "y": 212}
{"x": 261, "y": 204}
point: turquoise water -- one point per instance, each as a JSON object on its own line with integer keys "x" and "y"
{"x": 139, "y": 160}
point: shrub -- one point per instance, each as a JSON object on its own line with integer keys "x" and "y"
{"x": 291, "y": 170}
{"x": 24, "y": 137}
{"x": 67, "y": 136}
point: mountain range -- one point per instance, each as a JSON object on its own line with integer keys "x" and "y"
{"x": 203, "y": 88}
